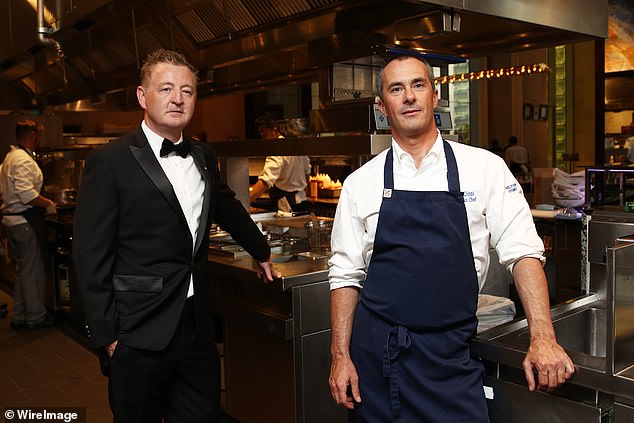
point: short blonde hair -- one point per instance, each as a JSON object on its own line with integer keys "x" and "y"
{"x": 164, "y": 56}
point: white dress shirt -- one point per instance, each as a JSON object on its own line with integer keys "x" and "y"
{"x": 516, "y": 154}
{"x": 21, "y": 181}
{"x": 497, "y": 211}
{"x": 187, "y": 182}
{"x": 288, "y": 173}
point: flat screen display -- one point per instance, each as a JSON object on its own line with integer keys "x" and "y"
{"x": 381, "y": 121}
{"x": 443, "y": 119}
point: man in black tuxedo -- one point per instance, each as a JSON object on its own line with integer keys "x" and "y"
{"x": 145, "y": 206}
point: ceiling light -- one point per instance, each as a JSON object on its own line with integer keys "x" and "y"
{"x": 493, "y": 73}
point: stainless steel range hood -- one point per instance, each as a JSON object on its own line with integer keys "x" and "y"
{"x": 248, "y": 44}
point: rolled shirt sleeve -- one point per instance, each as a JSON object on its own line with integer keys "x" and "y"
{"x": 347, "y": 264}
{"x": 354, "y": 226}
{"x": 272, "y": 170}
{"x": 23, "y": 180}
{"x": 509, "y": 220}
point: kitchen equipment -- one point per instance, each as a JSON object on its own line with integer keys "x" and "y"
{"x": 329, "y": 192}
{"x": 314, "y": 188}
{"x": 60, "y": 195}
{"x": 313, "y": 234}
{"x": 325, "y": 230}
{"x": 294, "y": 127}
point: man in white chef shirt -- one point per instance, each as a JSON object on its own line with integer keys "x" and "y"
{"x": 494, "y": 214}
{"x": 23, "y": 207}
{"x": 284, "y": 177}
{"x": 481, "y": 171}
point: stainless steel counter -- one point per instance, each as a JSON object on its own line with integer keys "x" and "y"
{"x": 596, "y": 330}
{"x": 276, "y": 335}
{"x": 290, "y": 254}
{"x": 588, "y": 397}
{"x": 295, "y": 269}
{"x": 507, "y": 344}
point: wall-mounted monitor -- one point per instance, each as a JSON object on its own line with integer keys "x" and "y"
{"x": 443, "y": 119}
{"x": 382, "y": 122}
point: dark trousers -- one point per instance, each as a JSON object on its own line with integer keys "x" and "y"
{"x": 180, "y": 384}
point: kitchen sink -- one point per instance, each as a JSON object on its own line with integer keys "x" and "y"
{"x": 580, "y": 326}
{"x": 582, "y": 331}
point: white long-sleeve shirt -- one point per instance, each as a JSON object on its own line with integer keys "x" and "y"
{"x": 498, "y": 213}
{"x": 187, "y": 182}
{"x": 516, "y": 154}
{"x": 288, "y": 173}
{"x": 21, "y": 181}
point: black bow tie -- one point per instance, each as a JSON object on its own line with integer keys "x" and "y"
{"x": 181, "y": 149}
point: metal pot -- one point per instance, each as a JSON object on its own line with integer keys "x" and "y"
{"x": 61, "y": 195}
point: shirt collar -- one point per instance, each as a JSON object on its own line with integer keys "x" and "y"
{"x": 433, "y": 154}
{"x": 23, "y": 148}
{"x": 155, "y": 140}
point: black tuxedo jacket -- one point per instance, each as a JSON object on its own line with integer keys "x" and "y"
{"x": 132, "y": 247}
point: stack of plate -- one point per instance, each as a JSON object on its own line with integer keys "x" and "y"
{"x": 568, "y": 189}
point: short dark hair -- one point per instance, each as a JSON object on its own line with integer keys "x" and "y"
{"x": 513, "y": 139}
{"x": 24, "y": 127}
{"x": 390, "y": 59}
{"x": 164, "y": 56}
{"x": 267, "y": 120}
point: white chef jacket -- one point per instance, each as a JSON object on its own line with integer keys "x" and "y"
{"x": 21, "y": 181}
{"x": 497, "y": 211}
{"x": 516, "y": 154}
{"x": 288, "y": 173}
{"x": 188, "y": 184}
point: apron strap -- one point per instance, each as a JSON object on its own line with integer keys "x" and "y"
{"x": 388, "y": 175}
{"x": 400, "y": 336}
{"x": 453, "y": 181}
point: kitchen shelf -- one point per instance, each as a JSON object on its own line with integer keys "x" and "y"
{"x": 609, "y": 186}
{"x": 345, "y": 145}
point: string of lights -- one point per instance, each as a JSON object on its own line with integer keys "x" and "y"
{"x": 493, "y": 73}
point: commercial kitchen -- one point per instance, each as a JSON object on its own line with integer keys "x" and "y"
{"x": 559, "y": 75}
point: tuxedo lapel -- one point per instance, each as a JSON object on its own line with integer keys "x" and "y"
{"x": 199, "y": 159}
{"x": 142, "y": 152}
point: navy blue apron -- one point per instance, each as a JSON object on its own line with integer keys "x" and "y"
{"x": 276, "y": 193}
{"x": 417, "y": 310}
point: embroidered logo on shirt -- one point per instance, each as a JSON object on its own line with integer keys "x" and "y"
{"x": 511, "y": 188}
{"x": 469, "y": 197}
{"x": 387, "y": 193}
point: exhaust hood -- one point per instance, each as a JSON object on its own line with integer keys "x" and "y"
{"x": 249, "y": 44}
{"x": 619, "y": 91}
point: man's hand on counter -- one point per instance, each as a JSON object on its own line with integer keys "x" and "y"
{"x": 266, "y": 271}
{"x": 551, "y": 365}
{"x": 51, "y": 209}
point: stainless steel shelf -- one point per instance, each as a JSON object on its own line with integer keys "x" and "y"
{"x": 345, "y": 145}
